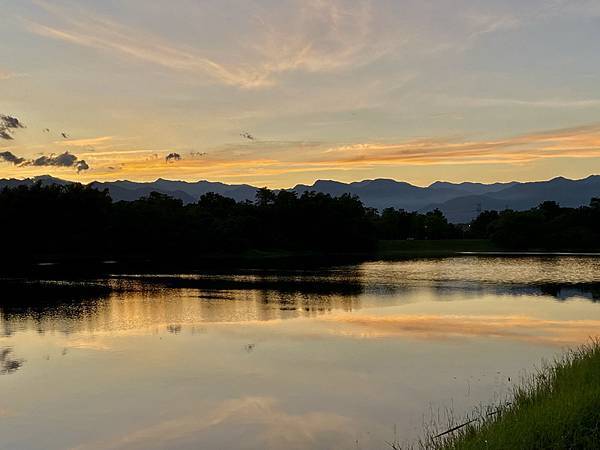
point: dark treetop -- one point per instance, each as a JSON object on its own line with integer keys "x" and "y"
{"x": 80, "y": 221}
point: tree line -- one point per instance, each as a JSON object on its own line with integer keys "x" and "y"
{"x": 79, "y": 220}
{"x": 547, "y": 227}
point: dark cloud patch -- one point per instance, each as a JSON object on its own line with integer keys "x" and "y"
{"x": 173, "y": 157}
{"x": 247, "y": 135}
{"x": 10, "y": 122}
{"x": 11, "y": 158}
{"x": 81, "y": 165}
{"x": 65, "y": 159}
{"x": 7, "y": 125}
{"x": 116, "y": 167}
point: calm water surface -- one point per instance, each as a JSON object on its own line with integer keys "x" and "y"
{"x": 344, "y": 358}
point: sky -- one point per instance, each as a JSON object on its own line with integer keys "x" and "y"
{"x": 281, "y": 92}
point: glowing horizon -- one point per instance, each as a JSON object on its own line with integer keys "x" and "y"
{"x": 278, "y": 94}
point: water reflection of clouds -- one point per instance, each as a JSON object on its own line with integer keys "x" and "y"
{"x": 87, "y": 343}
{"x": 438, "y": 327}
{"x": 142, "y": 310}
{"x": 249, "y": 423}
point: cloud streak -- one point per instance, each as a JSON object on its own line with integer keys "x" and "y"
{"x": 327, "y": 36}
{"x": 248, "y": 162}
{"x": 581, "y": 142}
{"x": 91, "y": 142}
{"x": 476, "y": 102}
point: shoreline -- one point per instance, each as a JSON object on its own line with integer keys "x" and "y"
{"x": 556, "y": 407}
{"x": 265, "y": 259}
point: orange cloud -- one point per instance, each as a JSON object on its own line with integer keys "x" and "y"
{"x": 90, "y": 142}
{"x": 581, "y": 142}
{"x": 256, "y": 162}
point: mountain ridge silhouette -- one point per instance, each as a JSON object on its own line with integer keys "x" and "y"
{"x": 460, "y": 202}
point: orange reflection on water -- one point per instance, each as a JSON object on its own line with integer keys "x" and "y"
{"x": 438, "y": 327}
{"x": 270, "y": 425}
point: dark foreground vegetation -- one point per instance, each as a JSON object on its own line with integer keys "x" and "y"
{"x": 79, "y": 221}
{"x": 547, "y": 227}
{"x": 558, "y": 408}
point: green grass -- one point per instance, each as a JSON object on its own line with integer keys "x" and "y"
{"x": 444, "y": 247}
{"x": 557, "y": 408}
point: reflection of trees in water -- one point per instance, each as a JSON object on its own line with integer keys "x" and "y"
{"x": 128, "y": 305}
{"x": 565, "y": 292}
{"x": 305, "y": 282}
{"x": 287, "y": 305}
{"x": 8, "y": 364}
{"x": 265, "y": 305}
{"x": 560, "y": 291}
{"x": 174, "y": 329}
{"x": 32, "y": 305}
{"x": 137, "y": 305}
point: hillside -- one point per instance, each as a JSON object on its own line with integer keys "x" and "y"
{"x": 460, "y": 202}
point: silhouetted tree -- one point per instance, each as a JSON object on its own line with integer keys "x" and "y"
{"x": 80, "y": 221}
{"x": 480, "y": 225}
{"x": 548, "y": 226}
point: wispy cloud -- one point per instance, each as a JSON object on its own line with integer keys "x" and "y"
{"x": 580, "y": 142}
{"x": 483, "y": 24}
{"x": 107, "y": 35}
{"x": 89, "y": 142}
{"x": 533, "y": 103}
{"x": 329, "y": 35}
{"x": 255, "y": 163}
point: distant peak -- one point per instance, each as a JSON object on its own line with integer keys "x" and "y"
{"x": 319, "y": 182}
{"x": 49, "y": 179}
{"x": 383, "y": 181}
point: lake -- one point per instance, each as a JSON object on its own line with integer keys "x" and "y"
{"x": 347, "y": 357}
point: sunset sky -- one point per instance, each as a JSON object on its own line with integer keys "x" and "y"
{"x": 280, "y": 92}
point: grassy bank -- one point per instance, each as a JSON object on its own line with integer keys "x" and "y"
{"x": 443, "y": 247}
{"x": 558, "y": 408}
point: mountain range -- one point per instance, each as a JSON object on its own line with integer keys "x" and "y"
{"x": 460, "y": 202}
